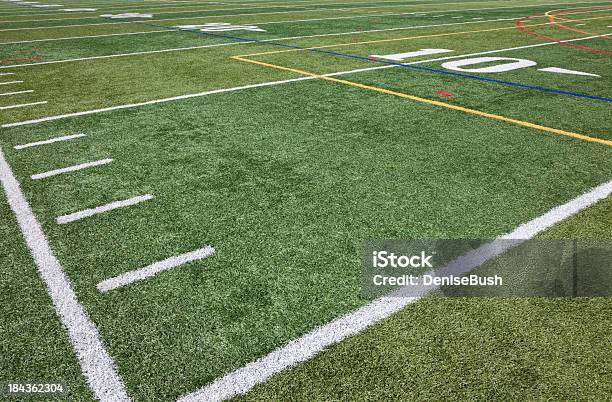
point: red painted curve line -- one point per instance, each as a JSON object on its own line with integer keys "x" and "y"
{"x": 588, "y": 49}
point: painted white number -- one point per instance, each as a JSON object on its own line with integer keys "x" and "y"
{"x": 497, "y": 68}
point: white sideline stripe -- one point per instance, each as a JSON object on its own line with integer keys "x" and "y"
{"x": 96, "y": 364}
{"x": 10, "y": 82}
{"x": 296, "y": 11}
{"x": 83, "y": 37}
{"x": 1, "y": 74}
{"x": 49, "y": 141}
{"x": 69, "y": 169}
{"x": 265, "y": 84}
{"x": 22, "y": 105}
{"x": 102, "y": 208}
{"x": 153, "y": 269}
{"x": 153, "y": 102}
{"x": 308, "y": 345}
{"x": 124, "y": 54}
{"x": 239, "y": 43}
{"x": 17, "y": 93}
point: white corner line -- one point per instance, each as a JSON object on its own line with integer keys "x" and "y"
{"x": 17, "y": 93}
{"x": 49, "y": 141}
{"x": 154, "y": 269}
{"x": 96, "y": 364}
{"x": 308, "y": 345}
{"x": 102, "y": 208}
{"x": 69, "y": 169}
{"x": 10, "y": 82}
{"x": 22, "y": 105}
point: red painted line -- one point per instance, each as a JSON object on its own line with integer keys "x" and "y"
{"x": 20, "y": 59}
{"x": 588, "y": 49}
{"x": 441, "y": 92}
{"x": 551, "y": 17}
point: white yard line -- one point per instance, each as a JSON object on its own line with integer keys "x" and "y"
{"x": 110, "y": 56}
{"x": 1, "y": 74}
{"x": 10, "y": 82}
{"x": 22, "y": 105}
{"x": 17, "y": 93}
{"x": 265, "y": 84}
{"x": 49, "y": 141}
{"x": 102, "y": 208}
{"x": 287, "y": 12}
{"x": 96, "y": 364}
{"x": 84, "y": 37}
{"x": 153, "y": 102}
{"x": 244, "y": 43}
{"x": 307, "y": 346}
{"x": 144, "y": 10}
{"x": 69, "y": 169}
{"x": 154, "y": 269}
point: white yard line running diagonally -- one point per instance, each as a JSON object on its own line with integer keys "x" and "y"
{"x": 96, "y": 363}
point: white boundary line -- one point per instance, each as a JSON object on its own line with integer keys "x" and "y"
{"x": 83, "y": 37}
{"x": 1, "y": 74}
{"x": 102, "y": 208}
{"x": 109, "y": 56}
{"x": 96, "y": 364}
{"x": 154, "y": 269}
{"x": 69, "y": 169}
{"x": 49, "y": 141}
{"x": 153, "y": 102}
{"x": 265, "y": 84}
{"x": 17, "y": 93}
{"x": 242, "y": 42}
{"x": 307, "y": 346}
{"x": 10, "y": 82}
{"x": 294, "y": 11}
{"x": 106, "y": 8}
{"x": 22, "y": 105}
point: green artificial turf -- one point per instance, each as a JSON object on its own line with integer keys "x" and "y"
{"x": 286, "y": 182}
{"x": 470, "y": 348}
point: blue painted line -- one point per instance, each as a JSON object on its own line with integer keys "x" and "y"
{"x": 433, "y": 70}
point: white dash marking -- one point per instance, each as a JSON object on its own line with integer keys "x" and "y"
{"x": 1, "y": 74}
{"x": 154, "y": 269}
{"x": 308, "y": 345}
{"x": 10, "y": 82}
{"x": 17, "y": 93}
{"x": 49, "y": 141}
{"x": 416, "y": 53}
{"x": 102, "y": 208}
{"x": 96, "y": 364}
{"x": 22, "y": 105}
{"x": 69, "y": 169}
{"x": 559, "y": 70}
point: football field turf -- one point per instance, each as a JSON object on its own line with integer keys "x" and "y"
{"x": 187, "y": 189}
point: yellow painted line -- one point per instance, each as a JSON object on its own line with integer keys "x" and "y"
{"x": 434, "y": 102}
{"x": 399, "y": 39}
